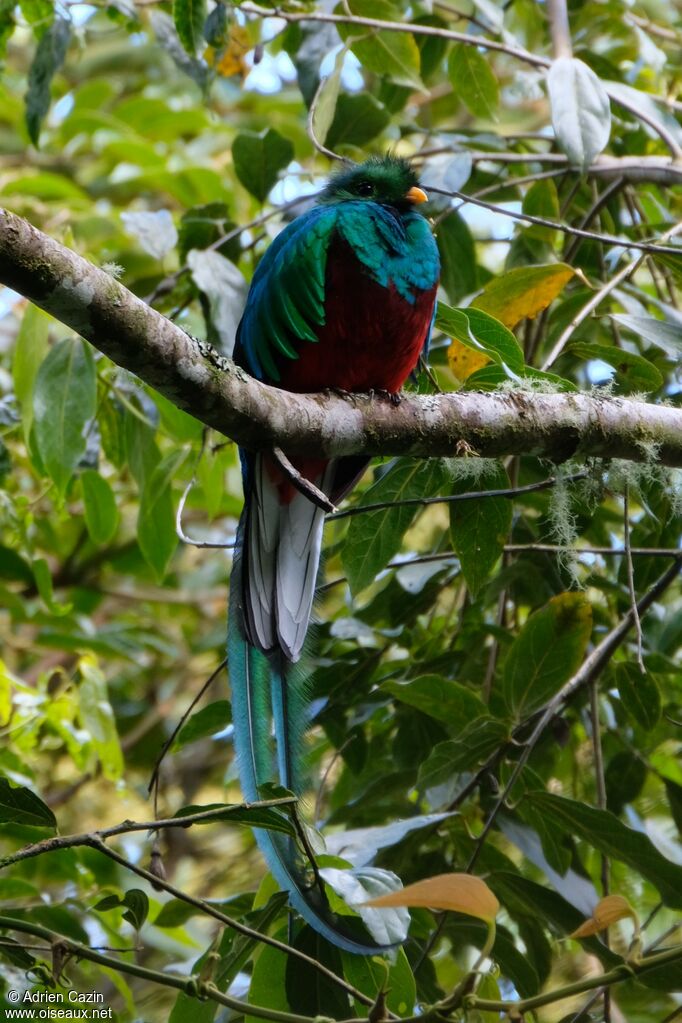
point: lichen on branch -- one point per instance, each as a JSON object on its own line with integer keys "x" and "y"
{"x": 192, "y": 375}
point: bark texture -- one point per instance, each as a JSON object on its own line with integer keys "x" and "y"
{"x": 192, "y": 375}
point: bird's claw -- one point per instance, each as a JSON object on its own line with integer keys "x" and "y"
{"x": 339, "y": 392}
{"x": 393, "y": 396}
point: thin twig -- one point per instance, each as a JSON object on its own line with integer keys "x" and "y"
{"x": 624, "y": 971}
{"x": 189, "y": 985}
{"x": 47, "y": 845}
{"x": 397, "y": 26}
{"x": 631, "y": 576}
{"x": 596, "y": 300}
{"x": 472, "y": 495}
{"x": 559, "y": 28}
{"x": 556, "y": 225}
{"x": 93, "y": 841}
{"x": 300, "y": 483}
{"x": 310, "y": 127}
{"x": 524, "y": 548}
{"x": 182, "y": 536}
{"x": 171, "y": 738}
{"x": 600, "y": 783}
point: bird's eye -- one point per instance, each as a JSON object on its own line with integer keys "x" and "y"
{"x": 364, "y": 188}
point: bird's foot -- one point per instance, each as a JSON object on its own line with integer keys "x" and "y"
{"x": 393, "y": 396}
{"x": 339, "y": 392}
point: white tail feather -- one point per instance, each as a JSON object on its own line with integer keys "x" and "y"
{"x": 284, "y": 545}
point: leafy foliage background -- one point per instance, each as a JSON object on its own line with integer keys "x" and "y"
{"x": 168, "y": 142}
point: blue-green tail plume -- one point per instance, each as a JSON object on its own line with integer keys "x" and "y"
{"x": 266, "y": 689}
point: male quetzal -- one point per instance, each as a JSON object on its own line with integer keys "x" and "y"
{"x": 343, "y": 299}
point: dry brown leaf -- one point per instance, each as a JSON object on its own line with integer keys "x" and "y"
{"x": 608, "y": 911}
{"x": 462, "y": 893}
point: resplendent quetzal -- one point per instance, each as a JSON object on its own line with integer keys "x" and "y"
{"x": 343, "y": 299}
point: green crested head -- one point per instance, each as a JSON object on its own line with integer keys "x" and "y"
{"x": 389, "y": 180}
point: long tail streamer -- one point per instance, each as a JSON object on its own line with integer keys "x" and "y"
{"x": 266, "y": 689}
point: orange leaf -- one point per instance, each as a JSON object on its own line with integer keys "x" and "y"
{"x": 608, "y": 911}
{"x": 463, "y": 360}
{"x": 523, "y": 292}
{"x": 462, "y": 893}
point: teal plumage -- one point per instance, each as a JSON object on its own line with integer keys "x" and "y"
{"x": 343, "y": 298}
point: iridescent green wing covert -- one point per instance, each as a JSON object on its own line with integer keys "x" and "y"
{"x": 286, "y": 303}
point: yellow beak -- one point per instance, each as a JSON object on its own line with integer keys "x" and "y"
{"x": 416, "y": 194}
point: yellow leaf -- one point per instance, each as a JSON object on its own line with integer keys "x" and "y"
{"x": 608, "y": 911}
{"x": 462, "y": 893}
{"x": 464, "y": 361}
{"x": 524, "y": 292}
{"x": 229, "y": 59}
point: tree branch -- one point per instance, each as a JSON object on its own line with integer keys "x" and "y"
{"x": 191, "y": 986}
{"x": 192, "y": 375}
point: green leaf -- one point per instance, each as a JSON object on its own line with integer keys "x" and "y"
{"x": 632, "y": 371}
{"x": 625, "y": 776}
{"x": 202, "y": 226}
{"x": 101, "y": 513}
{"x": 21, "y": 806}
{"x": 189, "y": 17}
{"x": 39, "y": 14}
{"x": 374, "y": 537}
{"x": 473, "y": 81}
{"x": 639, "y": 694}
{"x": 12, "y": 951}
{"x": 393, "y": 54}
{"x": 268, "y": 986}
{"x": 662, "y": 333}
{"x": 547, "y": 652}
{"x": 136, "y": 905}
{"x": 234, "y": 951}
{"x": 258, "y": 159}
{"x": 43, "y": 581}
{"x": 209, "y": 720}
{"x": 14, "y": 567}
{"x": 357, "y": 120}
{"x": 542, "y": 200}
{"x": 457, "y": 251}
{"x": 469, "y": 750}
{"x": 6, "y": 684}
{"x": 266, "y": 817}
{"x": 181, "y": 425}
{"x": 48, "y": 59}
{"x": 29, "y": 351}
{"x": 479, "y": 528}
{"x": 440, "y": 698}
{"x": 156, "y": 519}
{"x": 308, "y": 992}
{"x": 556, "y": 850}
{"x": 63, "y": 404}
{"x": 5, "y": 462}
{"x": 97, "y": 717}
{"x": 481, "y": 332}
{"x": 604, "y": 832}
{"x": 581, "y": 112}
{"x": 674, "y": 794}
{"x": 327, "y": 98}
{"x": 370, "y": 975}
{"x": 7, "y": 24}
